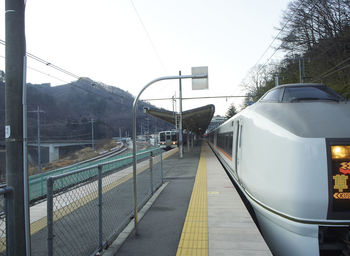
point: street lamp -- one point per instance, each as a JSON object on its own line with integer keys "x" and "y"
{"x": 199, "y": 77}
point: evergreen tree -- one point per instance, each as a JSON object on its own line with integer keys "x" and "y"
{"x": 231, "y": 111}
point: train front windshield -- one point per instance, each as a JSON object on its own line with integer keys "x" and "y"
{"x": 162, "y": 136}
{"x": 294, "y": 94}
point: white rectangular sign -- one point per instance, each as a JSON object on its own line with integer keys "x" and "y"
{"x": 199, "y": 83}
{"x": 7, "y": 131}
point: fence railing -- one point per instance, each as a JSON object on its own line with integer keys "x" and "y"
{"x": 37, "y": 182}
{"x": 7, "y": 242}
{"x": 88, "y": 208}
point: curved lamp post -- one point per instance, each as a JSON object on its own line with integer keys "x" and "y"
{"x": 195, "y": 75}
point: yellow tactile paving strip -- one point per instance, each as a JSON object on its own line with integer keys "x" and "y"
{"x": 194, "y": 237}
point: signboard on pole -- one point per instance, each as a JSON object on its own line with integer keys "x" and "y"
{"x": 200, "y": 83}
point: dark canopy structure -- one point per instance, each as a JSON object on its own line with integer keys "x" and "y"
{"x": 195, "y": 120}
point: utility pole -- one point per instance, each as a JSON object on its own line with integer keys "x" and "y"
{"x": 180, "y": 123}
{"x": 15, "y": 122}
{"x": 92, "y": 135}
{"x": 277, "y": 80}
{"x": 38, "y": 124}
{"x": 302, "y": 70}
{"x": 175, "y": 111}
{"x": 37, "y": 111}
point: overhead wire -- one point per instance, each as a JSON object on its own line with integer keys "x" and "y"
{"x": 270, "y": 45}
{"x": 41, "y": 72}
{"x": 276, "y": 37}
{"x": 47, "y": 74}
{"x": 49, "y": 64}
{"x": 332, "y": 71}
{"x": 148, "y": 36}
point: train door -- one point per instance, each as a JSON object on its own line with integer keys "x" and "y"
{"x": 238, "y": 146}
{"x": 235, "y": 130}
{"x": 236, "y": 137}
{"x": 168, "y": 139}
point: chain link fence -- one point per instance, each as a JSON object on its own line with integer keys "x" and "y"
{"x": 6, "y": 221}
{"x": 37, "y": 182}
{"x": 88, "y": 208}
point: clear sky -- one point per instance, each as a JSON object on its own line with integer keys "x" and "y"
{"x": 128, "y": 43}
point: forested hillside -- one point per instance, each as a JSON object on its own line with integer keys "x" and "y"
{"x": 67, "y": 111}
{"x": 315, "y": 36}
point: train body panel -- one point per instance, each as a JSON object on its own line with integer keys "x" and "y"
{"x": 279, "y": 156}
{"x": 292, "y": 162}
{"x": 288, "y": 238}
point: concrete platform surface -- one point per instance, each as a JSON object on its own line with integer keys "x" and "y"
{"x": 198, "y": 212}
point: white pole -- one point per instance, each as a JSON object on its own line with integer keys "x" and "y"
{"x": 180, "y": 125}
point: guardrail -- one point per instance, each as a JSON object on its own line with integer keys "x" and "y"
{"x": 37, "y": 182}
{"x": 84, "y": 219}
{"x": 7, "y": 243}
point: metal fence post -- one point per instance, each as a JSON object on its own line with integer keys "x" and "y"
{"x": 192, "y": 139}
{"x": 188, "y": 141}
{"x": 151, "y": 171}
{"x": 49, "y": 183}
{"x": 100, "y": 207}
{"x": 161, "y": 166}
{"x": 41, "y": 185}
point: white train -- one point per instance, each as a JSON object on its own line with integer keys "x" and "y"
{"x": 289, "y": 153}
{"x": 167, "y": 139}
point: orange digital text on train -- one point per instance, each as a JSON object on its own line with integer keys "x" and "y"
{"x": 345, "y": 167}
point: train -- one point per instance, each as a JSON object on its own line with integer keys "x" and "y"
{"x": 168, "y": 139}
{"x": 289, "y": 155}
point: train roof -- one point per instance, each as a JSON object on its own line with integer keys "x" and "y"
{"x": 311, "y": 119}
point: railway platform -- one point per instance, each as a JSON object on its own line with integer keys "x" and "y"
{"x": 196, "y": 212}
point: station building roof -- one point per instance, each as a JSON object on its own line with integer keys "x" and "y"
{"x": 195, "y": 120}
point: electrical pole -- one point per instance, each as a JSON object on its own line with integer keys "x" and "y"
{"x": 175, "y": 111}
{"x": 180, "y": 123}
{"x": 39, "y": 153}
{"x": 277, "y": 80}
{"x": 15, "y": 122}
{"x": 37, "y": 111}
{"x": 173, "y": 103}
{"x": 302, "y": 70}
{"x": 92, "y": 135}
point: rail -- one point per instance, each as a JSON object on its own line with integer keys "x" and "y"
{"x": 37, "y": 182}
{"x": 83, "y": 219}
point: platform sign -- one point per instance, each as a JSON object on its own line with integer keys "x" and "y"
{"x": 199, "y": 83}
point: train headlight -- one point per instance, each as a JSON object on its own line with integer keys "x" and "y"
{"x": 339, "y": 152}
